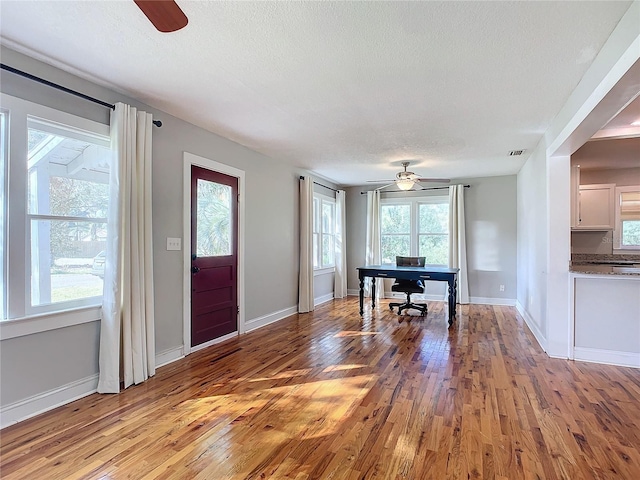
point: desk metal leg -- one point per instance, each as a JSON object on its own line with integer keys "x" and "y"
{"x": 361, "y": 295}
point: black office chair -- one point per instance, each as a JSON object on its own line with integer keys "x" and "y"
{"x": 409, "y": 286}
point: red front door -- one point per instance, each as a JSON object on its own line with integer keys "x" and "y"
{"x": 214, "y": 255}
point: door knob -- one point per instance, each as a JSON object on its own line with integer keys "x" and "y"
{"x": 195, "y": 269}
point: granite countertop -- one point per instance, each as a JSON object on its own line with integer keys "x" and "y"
{"x": 605, "y": 264}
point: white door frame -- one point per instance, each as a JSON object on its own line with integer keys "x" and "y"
{"x": 189, "y": 160}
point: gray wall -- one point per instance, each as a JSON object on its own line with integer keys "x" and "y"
{"x": 490, "y": 221}
{"x": 271, "y": 205}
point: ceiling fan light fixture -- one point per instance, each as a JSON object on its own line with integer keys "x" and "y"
{"x": 405, "y": 184}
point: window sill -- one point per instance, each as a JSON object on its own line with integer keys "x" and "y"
{"x": 19, "y": 327}
{"x": 323, "y": 271}
{"x": 626, "y": 251}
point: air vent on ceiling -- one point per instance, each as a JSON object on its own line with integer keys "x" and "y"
{"x": 515, "y": 153}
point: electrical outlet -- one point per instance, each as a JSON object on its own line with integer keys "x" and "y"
{"x": 174, "y": 243}
{"x": 502, "y": 288}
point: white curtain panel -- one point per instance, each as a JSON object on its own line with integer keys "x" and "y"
{"x": 340, "y": 277}
{"x": 457, "y": 241}
{"x": 373, "y": 251}
{"x": 127, "y": 331}
{"x": 305, "y": 287}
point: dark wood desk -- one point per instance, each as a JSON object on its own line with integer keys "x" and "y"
{"x": 442, "y": 274}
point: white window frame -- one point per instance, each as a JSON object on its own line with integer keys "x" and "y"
{"x": 22, "y": 318}
{"x": 618, "y": 248}
{"x": 415, "y": 202}
{"x": 67, "y": 132}
{"x": 319, "y": 200}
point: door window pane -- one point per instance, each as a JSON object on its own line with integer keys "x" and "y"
{"x": 213, "y": 219}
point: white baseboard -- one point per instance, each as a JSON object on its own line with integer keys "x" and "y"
{"x": 221, "y": 339}
{"x": 43, "y": 402}
{"x": 354, "y": 292}
{"x": 323, "y": 299}
{"x": 537, "y": 333}
{"x": 508, "y": 302}
{"x": 270, "y": 318}
{"x": 609, "y": 357}
{"x": 169, "y": 356}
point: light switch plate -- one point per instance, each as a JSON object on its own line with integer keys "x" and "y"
{"x": 174, "y": 243}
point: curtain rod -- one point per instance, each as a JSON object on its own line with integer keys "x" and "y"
{"x": 157, "y": 123}
{"x": 427, "y": 188}
{"x": 302, "y": 178}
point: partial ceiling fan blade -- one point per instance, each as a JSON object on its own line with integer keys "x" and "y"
{"x": 433, "y": 180}
{"x": 380, "y": 181}
{"x": 385, "y": 186}
{"x": 165, "y": 15}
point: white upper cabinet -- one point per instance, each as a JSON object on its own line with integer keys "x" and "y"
{"x": 594, "y": 207}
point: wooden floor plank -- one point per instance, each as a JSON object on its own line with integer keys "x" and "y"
{"x": 332, "y": 395}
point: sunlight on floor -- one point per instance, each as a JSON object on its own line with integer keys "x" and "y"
{"x": 347, "y": 333}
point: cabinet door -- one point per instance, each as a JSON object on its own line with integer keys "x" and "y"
{"x": 575, "y": 195}
{"x": 596, "y": 207}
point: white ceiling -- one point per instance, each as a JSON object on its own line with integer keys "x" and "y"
{"x": 346, "y": 89}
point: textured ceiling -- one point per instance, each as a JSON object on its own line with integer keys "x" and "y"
{"x": 346, "y": 89}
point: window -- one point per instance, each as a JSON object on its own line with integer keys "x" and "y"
{"x": 54, "y": 226}
{"x": 395, "y": 231}
{"x": 627, "y": 229}
{"x": 433, "y": 232}
{"x": 324, "y": 231}
{"x": 213, "y": 236}
{"x": 68, "y": 196}
{"x": 415, "y": 227}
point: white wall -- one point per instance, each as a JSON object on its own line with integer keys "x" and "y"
{"x": 532, "y": 234}
{"x": 543, "y": 184}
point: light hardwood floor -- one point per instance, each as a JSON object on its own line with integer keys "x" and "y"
{"x": 330, "y": 395}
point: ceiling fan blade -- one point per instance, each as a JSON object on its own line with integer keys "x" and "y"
{"x": 380, "y": 181}
{"x": 165, "y": 15}
{"x": 385, "y": 186}
{"x": 433, "y": 180}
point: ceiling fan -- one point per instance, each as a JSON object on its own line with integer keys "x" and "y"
{"x": 407, "y": 180}
{"x": 165, "y": 15}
